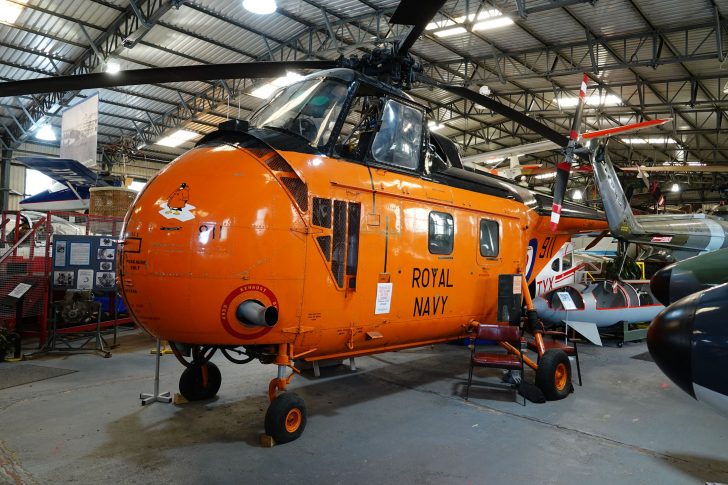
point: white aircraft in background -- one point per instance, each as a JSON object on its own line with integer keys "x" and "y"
{"x": 490, "y": 161}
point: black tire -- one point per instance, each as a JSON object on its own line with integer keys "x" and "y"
{"x": 553, "y": 375}
{"x": 285, "y": 419}
{"x": 191, "y": 382}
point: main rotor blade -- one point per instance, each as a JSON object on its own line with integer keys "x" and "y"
{"x": 502, "y": 109}
{"x": 417, "y": 13}
{"x": 563, "y": 169}
{"x": 203, "y": 72}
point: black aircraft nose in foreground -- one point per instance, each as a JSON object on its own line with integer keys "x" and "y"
{"x": 689, "y": 343}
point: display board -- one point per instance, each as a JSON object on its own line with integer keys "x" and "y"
{"x": 84, "y": 262}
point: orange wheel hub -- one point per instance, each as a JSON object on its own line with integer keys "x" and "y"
{"x": 560, "y": 376}
{"x": 293, "y": 420}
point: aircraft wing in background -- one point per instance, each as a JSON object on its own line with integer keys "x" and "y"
{"x": 71, "y": 192}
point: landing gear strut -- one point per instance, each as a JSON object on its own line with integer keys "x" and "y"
{"x": 201, "y": 378}
{"x": 285, "y": 418}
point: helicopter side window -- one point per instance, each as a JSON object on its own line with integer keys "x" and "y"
{"x": 398, "y": 140}
{"x": 555, "y": 264}
{"x": 489, "y": 246}
{"x": 442, "y": 232}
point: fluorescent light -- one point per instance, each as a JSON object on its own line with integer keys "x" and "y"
{"x": 9, "y": 12}
{"x": 112, "y": 67}
{"x": 177, "y": 138}
{"x": 440, "y": 24}
{"x": 593, "y": 100}
{"x": 577, "y": 195}
{"x": 452, "y": 31}
{"x": 696, "y": 164}
{"x": 260, "y": 7}
{"x": 485, "y": 14}
{"x": 675, "y": 188}
{"x": 45, "y": 132}
{"x": 653, "y": 140}
{"x": 543, "y": 176}
{"x": 264, "y": 91}
{"x": 434, "y": 125}
{"x": 493, "y": 24}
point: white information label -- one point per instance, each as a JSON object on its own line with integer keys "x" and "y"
{"x": 566, "y": 300}
{"x": 80, "y": 254}
{"x": 384, "y": 298}
{"x": 85, "y": 279}
{"x": 19, "y": 290}
{"x": 517, "y": 284}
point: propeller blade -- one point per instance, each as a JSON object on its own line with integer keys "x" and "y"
{"x": 625, "y": 128}
{"x": 563, "y": 169}
{"x": 502, "y": 109}
{"x": 203, "y": 72}
{"x": 596, "y": 240}
{"x": 417, "y": 13}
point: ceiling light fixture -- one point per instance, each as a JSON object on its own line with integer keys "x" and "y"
{"x": 260, "y": 7}
{"x": 434, "y": 125}
{"x": 577, "y": 195}
{"x": 46, "y": 133}
{"x": 652, "y": 140}
{"x": 177, "y": 138}
{"x": 493, "y": 24}
{"x": 450, "y": 32}
{"x": 675, "y": 188}
{"x": 112, "y": 67}
{"x": 593, "y": 100}
{"x": 485, "y": 14}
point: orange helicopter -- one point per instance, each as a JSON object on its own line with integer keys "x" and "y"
{"x": 331, "y": 225}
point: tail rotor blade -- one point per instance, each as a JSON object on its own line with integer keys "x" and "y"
{"x": 563, "y": 169}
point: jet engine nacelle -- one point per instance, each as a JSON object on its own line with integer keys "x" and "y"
{"x": 688, "y": 343}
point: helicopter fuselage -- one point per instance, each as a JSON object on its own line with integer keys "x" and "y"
{"x": 353, "y": 258}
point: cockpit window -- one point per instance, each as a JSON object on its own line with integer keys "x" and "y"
{"x": 568, "y": 261}
{"x": 398, "y": 140}
{"x": 308, "y": 109}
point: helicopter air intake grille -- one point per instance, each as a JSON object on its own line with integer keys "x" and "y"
{"x": 321, "y": 212}
{"x": 324, "y": 243}
{"x": 339, "y": 246}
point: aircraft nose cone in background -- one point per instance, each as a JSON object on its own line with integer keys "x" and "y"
{"x": 660, "y": 285}
{"x": 689, "y": 343}
{"x": 669, "y": 340}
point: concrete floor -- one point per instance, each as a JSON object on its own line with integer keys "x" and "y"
{"x": 399, "y": 418}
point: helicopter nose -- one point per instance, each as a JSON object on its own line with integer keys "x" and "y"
{"x": 669, "y": 340}
{"x": 660, "y": 285}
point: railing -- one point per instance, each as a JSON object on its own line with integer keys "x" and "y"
{"x": 26, "y": 264}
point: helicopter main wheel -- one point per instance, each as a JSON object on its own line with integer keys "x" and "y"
{"x": 285, "y": 419}
{"x": 199, "y": 382}
{"x": 553, "y": 375}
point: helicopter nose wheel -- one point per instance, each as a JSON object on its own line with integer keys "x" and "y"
{"x": 285, "y": 419}
{"x": 201, "y": 378}
{"x": 200, "y": 381}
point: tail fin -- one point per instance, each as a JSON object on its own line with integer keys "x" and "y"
{"x": 619, "y": 213}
